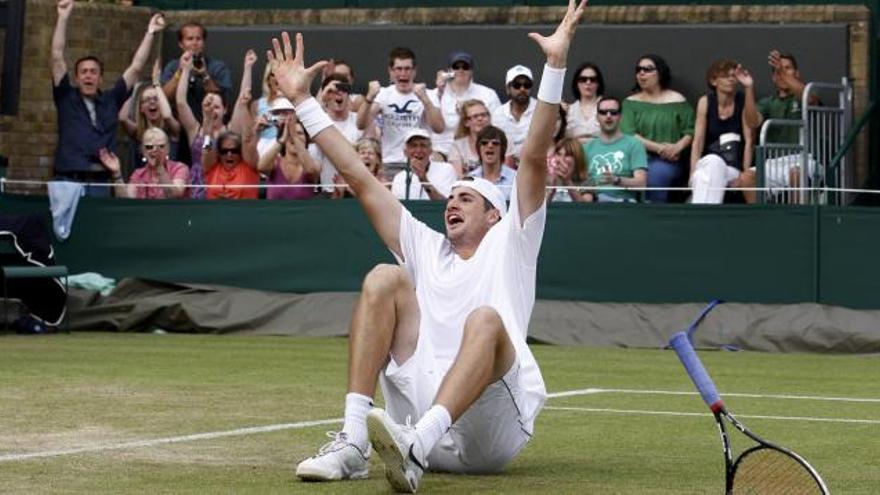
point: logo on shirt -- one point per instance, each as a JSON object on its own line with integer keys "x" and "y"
{"x": 404, "y": 109}
{"x": 608, "y": 162}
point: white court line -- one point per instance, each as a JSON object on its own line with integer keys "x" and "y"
{"x": 589, "y": 391}
{"x": 743, "y": 416}
{"x": 162, "y": 441}
{"x": 307, "y": 424}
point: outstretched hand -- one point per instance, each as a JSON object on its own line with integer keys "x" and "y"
{"x": 744, "y": 76}
{"x": 157, "y": 23}
{"x": 109, "y": 160}
{"x": 555, "y": 46}
{"x": 294, "y": 79}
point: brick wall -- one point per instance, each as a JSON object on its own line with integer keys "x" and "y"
{"x": 114, "y": 31}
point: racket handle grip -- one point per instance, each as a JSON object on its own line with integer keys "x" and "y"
{"x": 696, "y": 371}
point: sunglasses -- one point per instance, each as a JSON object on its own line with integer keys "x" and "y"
{"x": 608, "y": 112}
{"x": 461, "y": 66}
{"x": 588, "y": 79}
{"x": 521, "y": 85}
{"x": 151, "y": 147}
{"x": 481, "y": 115}
{"x": 645, "y": 68}
{"x": 487, "y": 142}
{"x": 224, "y": 151}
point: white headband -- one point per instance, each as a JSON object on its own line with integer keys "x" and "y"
{"x": 487, "y": 190}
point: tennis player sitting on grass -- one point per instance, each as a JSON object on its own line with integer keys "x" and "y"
{"x": 444, "y": 332}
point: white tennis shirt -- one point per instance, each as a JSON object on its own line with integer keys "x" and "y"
{"x": 501, "y": 274}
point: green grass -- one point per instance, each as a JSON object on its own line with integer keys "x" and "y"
{"x": 84, "y": 390}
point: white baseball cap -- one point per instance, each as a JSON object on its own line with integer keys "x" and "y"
{"x": 281, "y": 104}
{"x": 516, "y": 71}
{"x": 487, "y": 190}
{"x": 417, "y": 132}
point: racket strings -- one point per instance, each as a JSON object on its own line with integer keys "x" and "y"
{"x": 770, "y": 471}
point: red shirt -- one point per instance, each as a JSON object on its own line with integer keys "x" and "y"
{"x": 242, "y": 174}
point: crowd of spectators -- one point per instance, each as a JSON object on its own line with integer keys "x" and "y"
{"x": 193, "y": 138}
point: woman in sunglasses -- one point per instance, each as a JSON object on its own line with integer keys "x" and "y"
{"x": 153, "y": 110}
{"x": 473, "y": 118}
{"x": 159, "y": 178}
{"x": 588, "y": 86}
{"x": 228, "y": 168}
{"x": 287, "y": 162}
{"x": 662, "y": 120}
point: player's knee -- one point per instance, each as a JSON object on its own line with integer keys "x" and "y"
{"x": 384, "y": 279}
{"x": 483, "y": 322}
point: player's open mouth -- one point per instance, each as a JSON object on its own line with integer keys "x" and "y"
{"x": 454, "y": 219}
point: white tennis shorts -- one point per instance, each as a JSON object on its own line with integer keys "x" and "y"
{"x": 487, "y": 436}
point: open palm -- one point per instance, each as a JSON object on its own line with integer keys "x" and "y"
{"x": 555, "y": 46}
{"x": 294, "y": 79}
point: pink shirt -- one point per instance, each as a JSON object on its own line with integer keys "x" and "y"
{"x": 145, "y": 175}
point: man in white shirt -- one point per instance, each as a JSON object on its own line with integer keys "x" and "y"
{"x": 425, "y": 178}
{"x": 445, "y": 330}
{"x": 515, "y": 116}
{"x": 453, "y": 92}
{"x": 403, "y": 106}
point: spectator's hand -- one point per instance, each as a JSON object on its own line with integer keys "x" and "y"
{"x": 186, "y": 60}
{"x": 65, "y": 7}
{"x": 421, "y": 91}
{"x": 250, "y": 58}
{"x": 607, "y": 177}
{"x": 262, "y": 121}
{"x": 208, "y": 111}
{"x": 420, "y": 169}
{"x": 563, "y": 171}
{"x": 555, "y": 46}
{"x": 441, "y": 81}
{"x": 373, "y": 90}
{"x": 157, "y": 23}
{"x": 294, "y": 79}
{"x": 774, "y": 59}
{"x": 328, "y": 91}
{"x": 744, "y": 76}
{"x": 110, "y": 161}
{"x": 669, "y": 152}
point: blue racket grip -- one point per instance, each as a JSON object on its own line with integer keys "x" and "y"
{"x": 696, "y": 371}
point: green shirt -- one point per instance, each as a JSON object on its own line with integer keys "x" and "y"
{"x": 774, "y": 107}
{"x": 658, "y": 122}
{"x": 623, "y": 156}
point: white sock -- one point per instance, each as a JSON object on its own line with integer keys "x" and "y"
{"x": 356, "y": 408}
{"x": 433, "y": 425}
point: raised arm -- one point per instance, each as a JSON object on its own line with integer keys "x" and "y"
{"x": 433, "y": 115}
{"x": 532, "y": 173}
{"x": 294, "y": 80}
{"x": 751, "y": 117}
{"x": 242, "y": 118}
{"x": 125, "y": 113}
{"x": 184, "y": 112}
{"x": 368, "y": 111}
{"x": 133, "y": 72}
{"x": 59, "y": 41}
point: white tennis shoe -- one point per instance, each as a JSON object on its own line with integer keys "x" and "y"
{"x": 397, "y": 446}
{"x": 336, "y": 460}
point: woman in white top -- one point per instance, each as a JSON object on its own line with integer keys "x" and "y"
{"x": 587, "y": 86}
{"x": 473, "y": 118}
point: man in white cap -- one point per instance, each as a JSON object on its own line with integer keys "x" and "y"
{"x": 444, "y": 330}
{"x": 425, "y": 178}
{"x": 515, "y": 116}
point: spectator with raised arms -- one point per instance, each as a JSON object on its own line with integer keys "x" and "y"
{"x": 444, "y": 331}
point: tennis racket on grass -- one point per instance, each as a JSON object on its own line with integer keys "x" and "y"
{"x": 764, "y": 468}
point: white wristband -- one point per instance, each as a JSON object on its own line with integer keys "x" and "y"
{"x": 552, "y": 82}
{"x": 312, "y": 117}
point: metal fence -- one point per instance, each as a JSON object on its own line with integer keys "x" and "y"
{"x": 798, "y": 170}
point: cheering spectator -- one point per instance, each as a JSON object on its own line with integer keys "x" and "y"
{"x": 370, "y": 152}
{"x": 230, "y": 163}
{"x": 159, "y": 178}
{"x": 515, "y": 116}
{"x": 424, "y": 178}
{"x": 662, "y": 120}
{"x": 404, "y": 106}
{"x": 567, "y": 169}
{"x": 492, "y": 145}
{"x": 206, "y": 74}
{"x": 454, "y": 87}
{"x": 587, "y": 86}
{"x": 615, "y": 158}
{"x": 336, "y": 100}
{"x": 724, "y": 134}
{"x": 474, "y": 118}
{"x": 88, "y": 116}
{"x": 153, "y": 110}
{"x": 287, "y": 162}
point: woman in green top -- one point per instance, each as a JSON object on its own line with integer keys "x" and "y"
{"x": 662, "y": 120}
